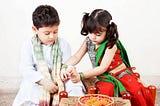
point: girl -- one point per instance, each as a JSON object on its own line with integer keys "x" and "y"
{"x": 109, "y": 59}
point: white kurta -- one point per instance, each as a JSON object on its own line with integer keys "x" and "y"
{"x": 29, "y": 89}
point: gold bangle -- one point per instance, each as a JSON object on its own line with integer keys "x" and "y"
{"x": 81, "y": 76}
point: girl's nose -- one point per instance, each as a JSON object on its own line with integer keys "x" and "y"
{"x": 93, "y": 36}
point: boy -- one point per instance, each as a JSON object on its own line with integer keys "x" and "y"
{"x": 41, "y": 60}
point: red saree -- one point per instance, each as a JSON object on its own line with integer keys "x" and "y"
{"x": 140, "y": 95}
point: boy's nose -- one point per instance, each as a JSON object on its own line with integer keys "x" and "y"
{"x": 50, "y": 35}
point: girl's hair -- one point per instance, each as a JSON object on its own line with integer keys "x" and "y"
{"x": 45, "y": 15}
{"x": 98, "y": 21}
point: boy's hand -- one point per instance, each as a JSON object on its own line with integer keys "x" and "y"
{"x": 49, "y": 85}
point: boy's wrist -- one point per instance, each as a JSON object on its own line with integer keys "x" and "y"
{"x": 64, "y": 66}
{"x": 81, "y": 75}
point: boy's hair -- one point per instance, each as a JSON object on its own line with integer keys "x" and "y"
{"x": 45, "y": 15}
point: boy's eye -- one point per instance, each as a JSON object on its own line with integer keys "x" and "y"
{"x": 47, "y": 33}
{"x": 55, "y": 32}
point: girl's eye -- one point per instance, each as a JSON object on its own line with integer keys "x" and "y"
{"x": 97, "y": 34}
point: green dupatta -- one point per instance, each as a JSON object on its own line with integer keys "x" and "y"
{"x": 43, "y": 69}
{"x": 118, "y": 86}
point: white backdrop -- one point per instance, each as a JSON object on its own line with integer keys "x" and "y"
{"x": 138, "y": 24}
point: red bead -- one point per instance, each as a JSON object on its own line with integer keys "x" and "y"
{"x": 137, "y": 75}
{"x": 92, "y": 90}
{"x": 126, "y": 96}
{"x": 63, "y": 94}
{"x": 152, "y": 89}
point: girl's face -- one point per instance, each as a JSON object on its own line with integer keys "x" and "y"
{"x": 97, "y": 38}
{"x": 48, "y": 35}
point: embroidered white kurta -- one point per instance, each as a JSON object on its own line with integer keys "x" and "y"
{"x": 29, "y": 89}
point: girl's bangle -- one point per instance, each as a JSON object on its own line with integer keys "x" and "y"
{"x": 81, "y": 74}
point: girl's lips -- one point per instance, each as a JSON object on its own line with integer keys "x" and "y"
{"x": 93, "y": 40}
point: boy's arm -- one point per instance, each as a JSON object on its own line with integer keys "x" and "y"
{"x": 66, "y": 50}
{"x": 49, "y": 85}
{"x": 28, "y": 67}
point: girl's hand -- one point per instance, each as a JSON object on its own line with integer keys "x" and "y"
{"x": 75, "y": 77}
{"x": 49, "y": 85}
{"x": 64, "y": 75}
{"x": 70, "y": 70}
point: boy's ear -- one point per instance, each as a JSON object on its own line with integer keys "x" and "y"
{"x": 34, "y": 28}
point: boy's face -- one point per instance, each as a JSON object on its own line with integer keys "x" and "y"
{"x": 48, "y": 35}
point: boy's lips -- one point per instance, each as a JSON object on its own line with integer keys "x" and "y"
{"x": 51, "y": 40}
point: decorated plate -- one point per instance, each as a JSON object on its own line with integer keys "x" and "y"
{"x": 95, "y": 100}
